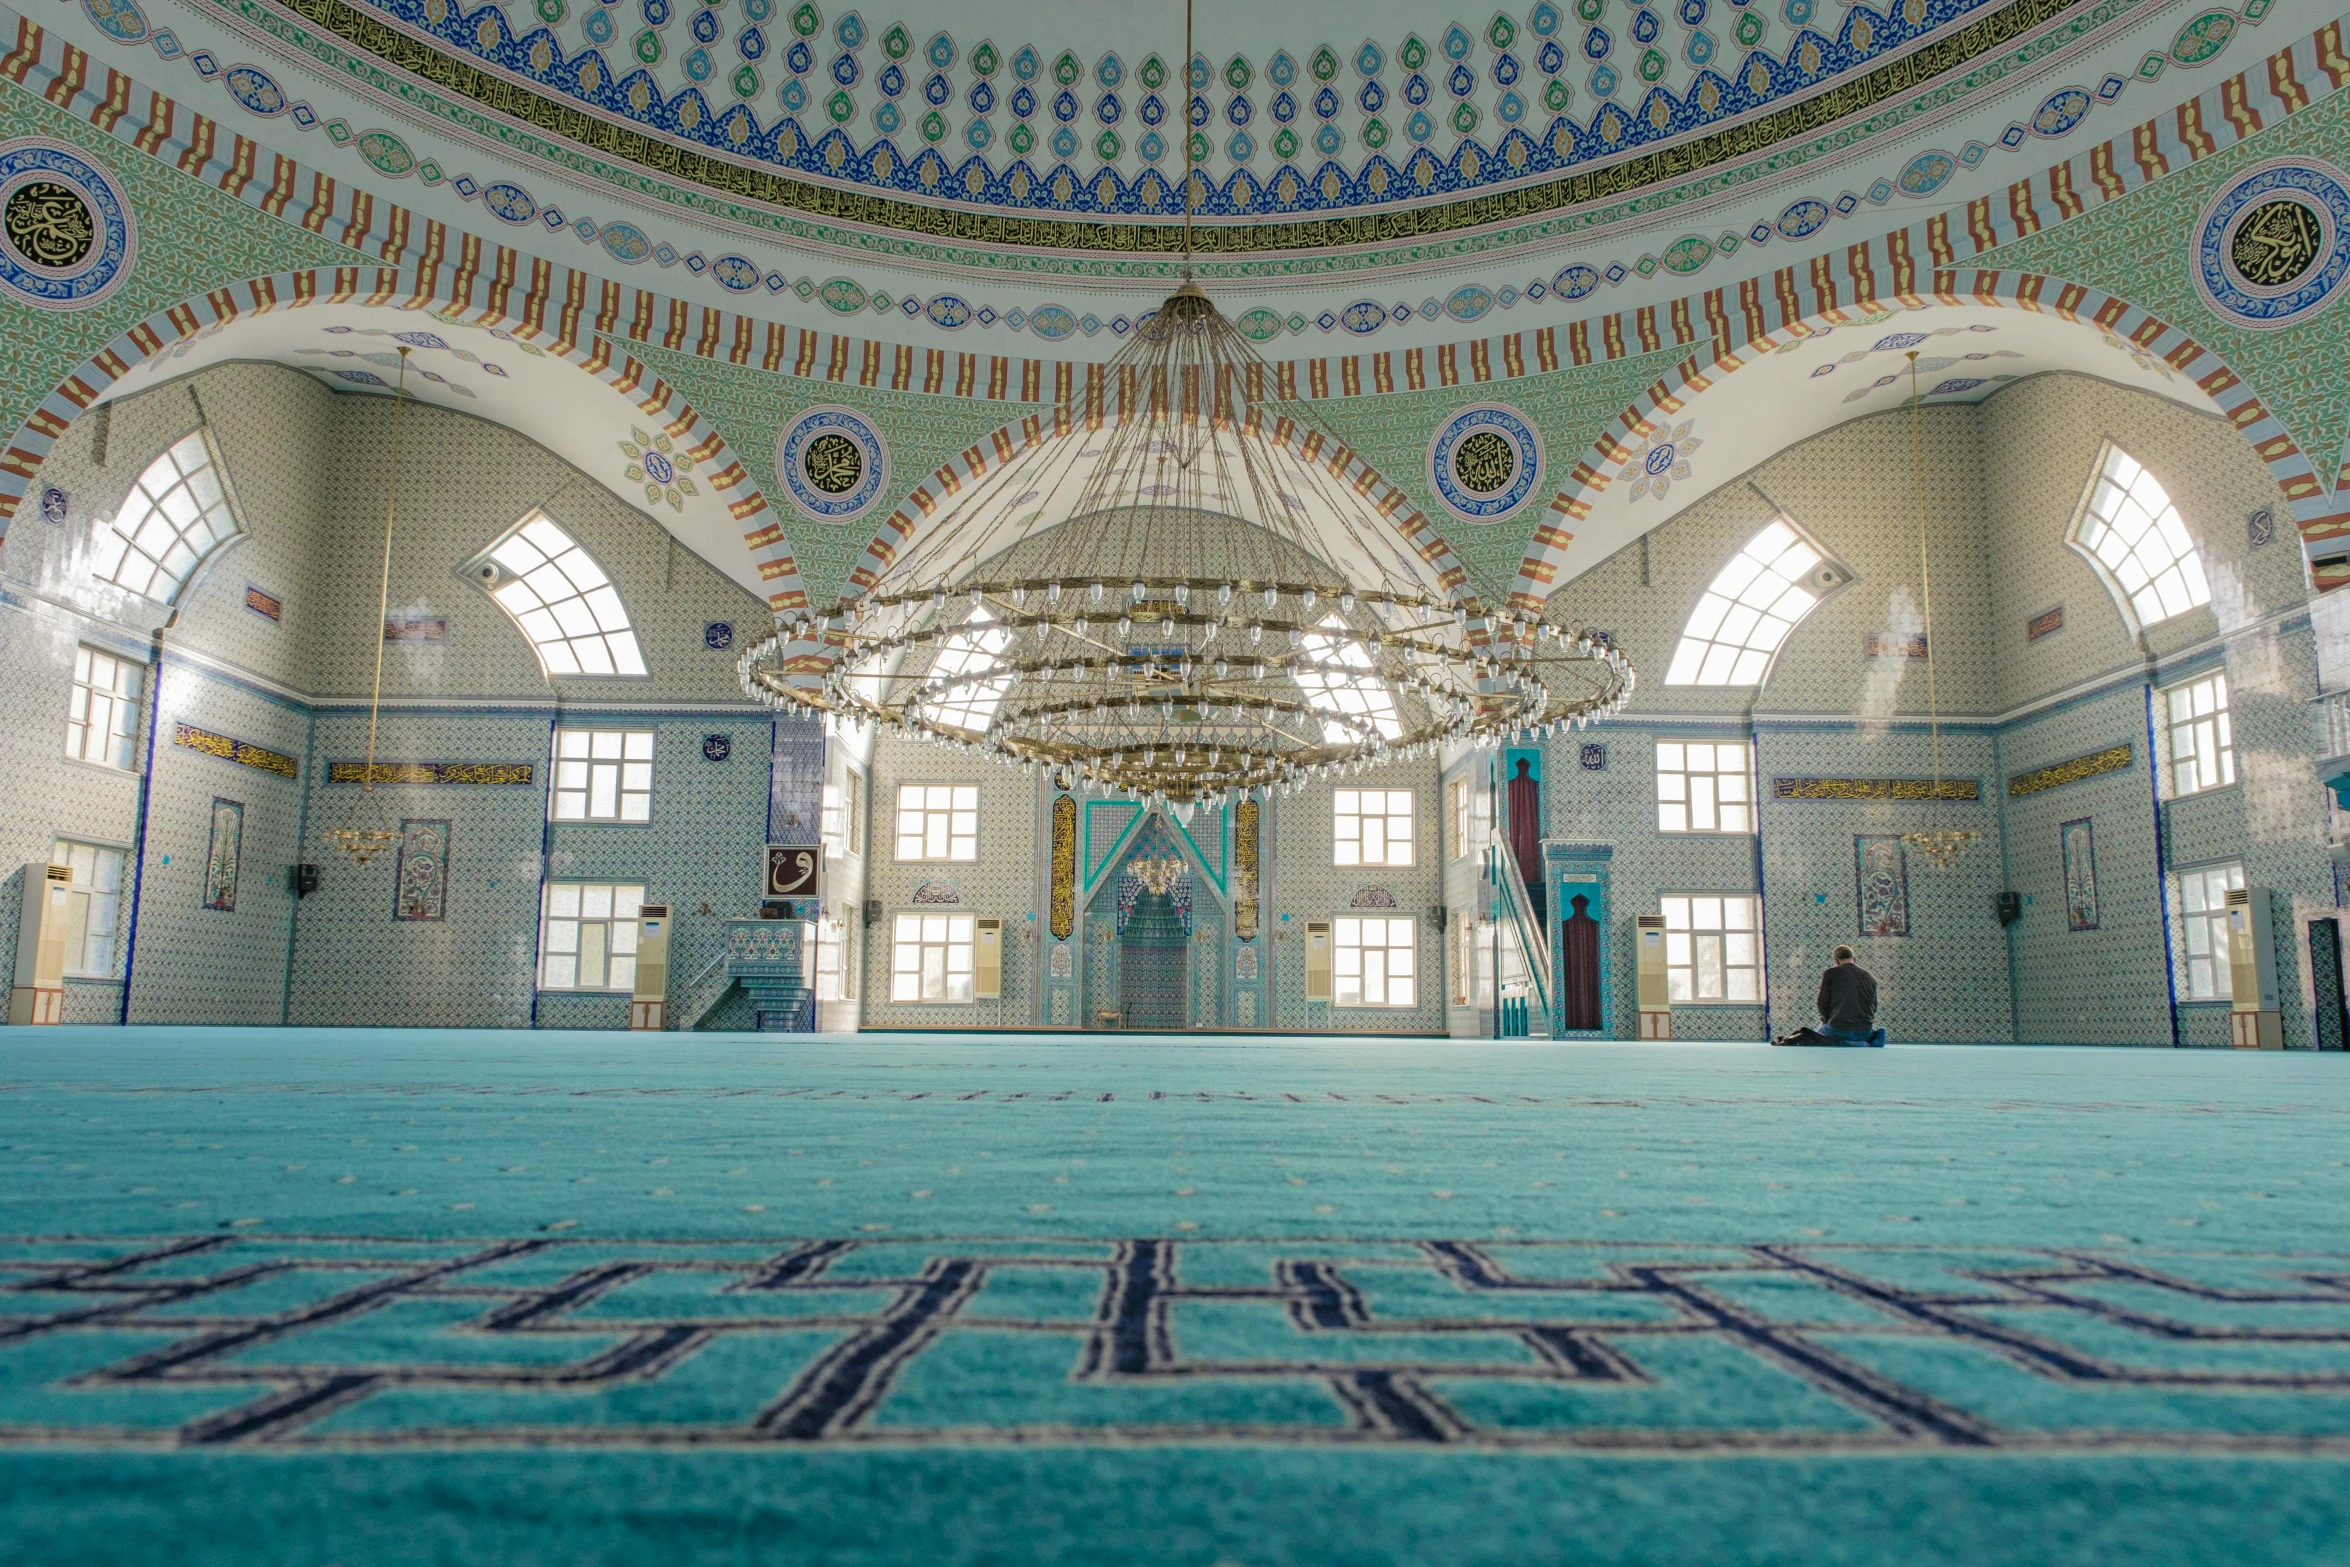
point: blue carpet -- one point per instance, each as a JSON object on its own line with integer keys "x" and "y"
{"x": 419, "y": 1297}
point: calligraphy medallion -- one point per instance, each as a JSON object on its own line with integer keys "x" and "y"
{"x": 66, "y": 232}
{"x": 1484, "y": 462}
{"x": 834, "y": 463}
{"x": 2273, "y": 247}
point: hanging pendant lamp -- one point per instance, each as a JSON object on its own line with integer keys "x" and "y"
{"x": 1194, "y": 607}
{"x": 370, "y": 831}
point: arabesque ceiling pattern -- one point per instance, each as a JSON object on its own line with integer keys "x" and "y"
{"x": 188, "y": 177}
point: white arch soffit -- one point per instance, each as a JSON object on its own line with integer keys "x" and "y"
{"x": 1778, "y": 397}
{"x": 542, "y": 397}
{"x": 1038, "y": 489}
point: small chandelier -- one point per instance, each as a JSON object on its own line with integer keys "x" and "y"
{"x": 1201, "y": 605}
{"x": 370, "y": 831}
{"x": 1156, "y": 876}
{"x": 1943, "y": 845}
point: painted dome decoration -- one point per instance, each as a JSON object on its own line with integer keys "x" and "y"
{"x": 67, "y": 237}
{"x": 2273, "y": 247}
{"x": 834, "y": 463}
{"x": 844, "y": 123}
{"x": 1484, "y": 462}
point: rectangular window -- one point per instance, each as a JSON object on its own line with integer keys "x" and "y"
{"x": 835, "y": 980}
{"x": 603, "y": 775}
{"x": 1456, "y": 817}
{"x": 587, "y": 939}
{"x": 1713, "y": 947}
{"x": 844, "y": 816}
{"x": 2202, "y": 743}
{"x": 1372, "y": 826}
{"x": 931, "y": 958}
{"x": 1374, "y": 962}
{"x": 92, "y": 907}
{"x": 938, "y": 822}
{"x": 102, "y": 711}
{"x": 1703, "y": 788}
{"x": 2203, "y": 914}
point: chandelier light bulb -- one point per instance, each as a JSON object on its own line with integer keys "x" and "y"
{"x": 1097, "y": 593}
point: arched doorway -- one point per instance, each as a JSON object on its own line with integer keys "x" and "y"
{"x": 1158, "y": 934}
{"x": 1154, "y": 963}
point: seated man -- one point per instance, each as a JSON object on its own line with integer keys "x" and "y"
{"x": 1848, "y": 1008}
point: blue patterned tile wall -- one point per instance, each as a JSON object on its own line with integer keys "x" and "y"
{"x": 2004, "y": 479}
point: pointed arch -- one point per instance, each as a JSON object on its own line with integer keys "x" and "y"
{"x": 414, "y": 299}
{"x": 2034, "y": 298}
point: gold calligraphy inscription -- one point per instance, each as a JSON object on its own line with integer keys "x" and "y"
{"x": 1484, "y": 462}
{"x": 462, "y": 79}
{"x": 497, "y": 773}
{"x": 1244, "y": 870}
{"x": 833, "y": 464}
{"x": 2111, "y": 760}
{"x": 2276, "y": 244}
{"x": 1874, "y": 789}
{"x": 49, "y": 224}
{"x": 243, "y": 752}
{"x": 1064, "y": 905}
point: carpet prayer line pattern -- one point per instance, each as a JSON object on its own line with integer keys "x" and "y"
{"x": 1203, "y": 1096}
{"x": 1354, "y": 1318}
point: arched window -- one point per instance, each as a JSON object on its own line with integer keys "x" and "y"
{"x": 1747, "y": 612}
{"x": 1333, "y": 690}
{"x": 2130, "y": 528}
{"x": 981, "y": 645}
{"x": 177, "y": 513}
{"x": 561, "y": 599}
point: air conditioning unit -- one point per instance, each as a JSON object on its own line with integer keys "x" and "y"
{"x": 39, "y": 993}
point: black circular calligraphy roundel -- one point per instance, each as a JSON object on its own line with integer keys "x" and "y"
{"x": 2277, "y": 243}
{"x": 1484, "y": 462}
{"x": 833, "y": 464}
{"x": 47, "y": 223}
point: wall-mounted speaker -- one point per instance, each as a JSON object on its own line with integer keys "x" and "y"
{"x": 302, "y": 880}
{"x": 872, "y": 911}
{"x": 2011, "y": 907}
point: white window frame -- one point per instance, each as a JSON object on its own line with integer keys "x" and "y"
{"x": 1752, "y": 607}
{"x": 844, "y": 816}
{"x": 180, "y": 513}
{"x": 1374, "y": 839}
{"x": 562, "y": 601}
{"x": 836, "y": 970}
{"x": 1683, "y": 807}
{"x": 2154, "y": 575}
{"x": 944, "y": 817}
{"x": 1371, "y": 973}
{"x": 1352, "y": 687}
{"x": 601, "y": 775}
{"x": 971, "y": 704}
{"x": 1707, "y": 948}
{"x": 1456, "y": 816}
{"x": 109, "y": 714}
{"x": 88, "y": 896}
{"x": 2203, "y": 929}
{"x": 2199, "y": 734}
{"x": 570, "y": 931}
{"x": 931, "y": 957}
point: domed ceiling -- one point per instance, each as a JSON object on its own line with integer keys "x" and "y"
{"x": 928, "y": 170}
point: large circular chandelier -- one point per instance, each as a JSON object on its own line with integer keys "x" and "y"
{"x": 1198, "y": 596}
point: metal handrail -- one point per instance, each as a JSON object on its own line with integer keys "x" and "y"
{"x": 1518, "y": 922}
